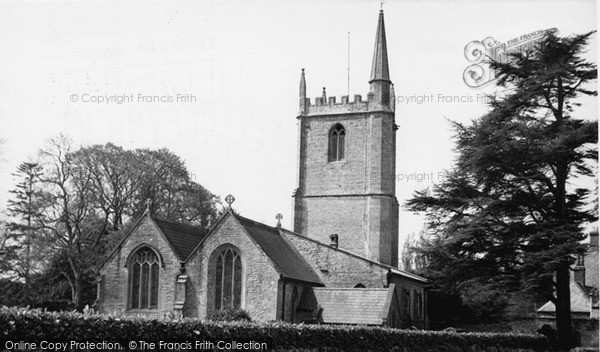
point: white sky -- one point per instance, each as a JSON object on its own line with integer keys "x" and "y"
{"x": 242, "y": 61}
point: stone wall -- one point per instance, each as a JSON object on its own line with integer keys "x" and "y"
{"x": 114, "y": 284}
{"x": 318, "y": 214}
{"x": 337, "y": 268}
{"x": 355, "y": 197}
{"x": 259, "y": 279}
{"x": 348, "y": 176}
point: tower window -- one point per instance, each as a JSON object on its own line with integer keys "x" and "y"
{"x": 337, "y": 143}
{"x": 228, "y": 288}
{"x": 143, "y": 278}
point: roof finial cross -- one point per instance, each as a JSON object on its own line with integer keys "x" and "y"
{"x": 229, "y": 199}
{"x": 382, "y": 5}
{"x": 148, "y": 204}
{"x": 278, "y": 217}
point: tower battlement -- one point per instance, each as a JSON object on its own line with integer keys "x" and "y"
{"x": 381, "y": 92}
{"x": 324, "y": 105}
{"x": 321, "y": 101}
{"x": 330, "y": 106}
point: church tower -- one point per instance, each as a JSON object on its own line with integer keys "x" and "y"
{"x": 347, "y": 166}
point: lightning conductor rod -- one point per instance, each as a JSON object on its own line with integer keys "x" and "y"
{"x": 348, "y": 64}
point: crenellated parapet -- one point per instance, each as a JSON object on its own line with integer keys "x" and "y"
{"x": 329, "y": 106}
{"x": 324, "y": 105}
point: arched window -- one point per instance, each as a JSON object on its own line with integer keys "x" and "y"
{"x": 228, "y": 280}
{"x": 337, "y": 143}
{"x": 144, "y": 275}
{"x": 359, "y": 285}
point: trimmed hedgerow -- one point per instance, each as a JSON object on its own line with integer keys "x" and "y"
{"x": 230, "y": 314}
{"x": 36, "y": 326}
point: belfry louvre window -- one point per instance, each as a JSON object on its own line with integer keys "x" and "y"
{"x": 228, "y": 280}
{"x": 144, "y": 275}
{"x": 337, "y": 143}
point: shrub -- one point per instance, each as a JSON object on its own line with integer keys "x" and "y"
{"x": 230, "y": 314}
{"x": 35, "y": 326}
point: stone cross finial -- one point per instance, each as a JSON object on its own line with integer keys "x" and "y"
{"x": 148, "y": 204}
{"x": 278, "y": 217}
{"x": 229, "y": 199}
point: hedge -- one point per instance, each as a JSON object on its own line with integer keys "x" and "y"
{"x": 230, "y": 314}
{"x": 35, "y": 326}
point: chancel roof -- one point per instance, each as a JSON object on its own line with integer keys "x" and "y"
{"x": 286, "y": 259}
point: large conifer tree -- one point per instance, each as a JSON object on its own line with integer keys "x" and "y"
{"x": 509, "y": 218}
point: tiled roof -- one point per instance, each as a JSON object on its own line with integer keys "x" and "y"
{"x": 393, "y": 270}
{"x": 183, "y": 238}
{"x": 353, "y": 305}
{"x": 407, "y": 274}
{"x": 288, "y": 262}
{"x": 580, "y": 301}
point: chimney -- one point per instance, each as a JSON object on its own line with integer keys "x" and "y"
{"x": 334, "y": 240}
{"x": 579, "y": 270}
{"x": 594, "y": 239}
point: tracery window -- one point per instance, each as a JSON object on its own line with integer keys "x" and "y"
{"x": 228, "y": 279}
{"x": 144, "y": 276}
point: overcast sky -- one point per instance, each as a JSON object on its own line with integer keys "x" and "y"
{"x": 241, "y": 62}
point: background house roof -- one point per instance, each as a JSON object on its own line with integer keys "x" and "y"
{"x": 580, "y": 301}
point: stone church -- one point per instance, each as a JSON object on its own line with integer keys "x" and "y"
{"x": 338, "y": 265}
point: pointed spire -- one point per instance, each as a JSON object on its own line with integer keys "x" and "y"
{"x": 302, "y": 94}
{"x": 379, "y": 93}
{"x": 380, "y": 69}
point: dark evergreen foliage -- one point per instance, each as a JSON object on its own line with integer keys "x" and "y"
{"x": 508, "y": 218}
